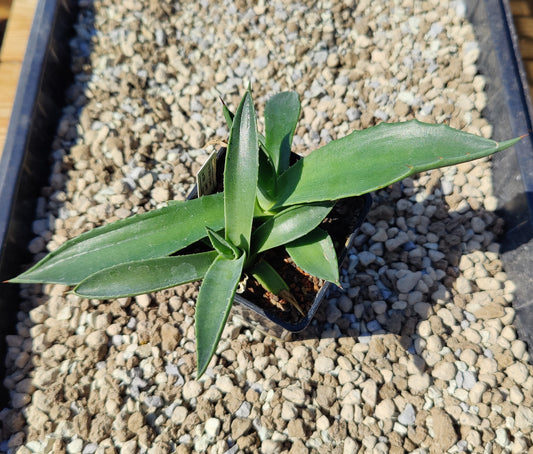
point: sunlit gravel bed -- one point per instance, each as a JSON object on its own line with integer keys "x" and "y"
{"x": 416, "y": 353}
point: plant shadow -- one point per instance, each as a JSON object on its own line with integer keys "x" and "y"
{"x": 407, "y": 289}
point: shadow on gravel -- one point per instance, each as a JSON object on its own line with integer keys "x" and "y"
{"x": 440, "y": 236}
{"x": 48, "y": 81}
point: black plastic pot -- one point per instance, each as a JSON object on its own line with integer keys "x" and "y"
{"x": 39, "y": 99}
{"x": 267, "y": 321}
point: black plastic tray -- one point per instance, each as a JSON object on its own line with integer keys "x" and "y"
{"x": 24, "y": 164}
{"x": 510, "y": 112}
{"x": 45, "y": 74}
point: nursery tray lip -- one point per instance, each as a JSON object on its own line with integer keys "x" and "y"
{"x": 51, "y": 14}
{"x": 512, "y": 172}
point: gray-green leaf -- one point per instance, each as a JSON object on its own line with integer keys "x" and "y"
{"x": 371, "y": 159}
{"x": 152, "y": 234}
{"x": 281, "y": 116}
{"x": 241, "y": 174}
{"x": 315, "y": 254}
{"x": 214, "y": 305}
{"x": 144, "y": 276}
{"x": 289, "y": 225}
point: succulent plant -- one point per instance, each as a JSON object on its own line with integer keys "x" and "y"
{"x": 266, "y": 202}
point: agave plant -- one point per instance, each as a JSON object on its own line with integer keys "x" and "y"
{"x": 265, "y": 203}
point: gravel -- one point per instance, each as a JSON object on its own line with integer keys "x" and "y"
{"x": 416, "y": 353}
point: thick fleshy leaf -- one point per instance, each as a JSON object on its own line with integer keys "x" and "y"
{"x": 266, "y": 183}
{"x": 281, "y": 116}
{"x": 213, "y": 306}
{"x": 228, "y": 114}
{"x": 268, "y": 277}
{"x": 289, "y": 225}
{"x": 371, "y": 159}
{"x": 222, "y": 246}
{"x": 152, "y": 234}
{"x": 315, "y": 254}
{"x": 241, "y": 174}
{"x": 144, "y": 276}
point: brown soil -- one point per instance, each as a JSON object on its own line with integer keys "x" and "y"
{"x": 340, "y": 224}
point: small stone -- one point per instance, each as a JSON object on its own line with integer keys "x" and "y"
{"x": 444, "y": 370}
{"x": 170, "y": 337}
{"x": 518, "y": 372}
{"x": 345, "y": 304}
{"x": 515, "y": 395}
{"x": 143, "y": 300}
{"x": 135, "y": 422}
{"x": 333, "y": 60}
{"x": 369, "y": 392}
{"x": 408, "y": 281}
{"x": 270, "y": 447}
{"x": 224, "y": 384}
{"x": 179, "y": 414}
{"x": 491, "y": 310}
{"x": 469, "y": 379}
{"x": 463, "y": 286}
{"x": 322, "y": 423}
{"x": 434, "y": 343}
{"x": 350, "y": 446}
{"x": 239, "y": 427}
{"x": 519, "y": 348}
{"x": 296, "y": 429}
{"x": 191, "y": 389}
{"x": 488, "y": 283}
{"x": 469, "y": 356}
{"x": 385, "y": 409}
{"x": 294, "y": 394}
{"x": 366, "y": 258}
{"x": 476, "y": 393}
{"x": 288, "y": 411}
{"x": 324, "y": 364}
{"x": 160, "y": 194}
{"x": 19, "y": 400}
{"x": 96, "y": 339}
{"x": 244, "y": 410}
{"x": 212, "y": 427}
{"x": 407, "y": 416}
{"x": 75, "y": 446}
{"x": 418, "y": 383}
{"x": 445, "y": 436}
{"x": 325, "y": 396}
{"x": 153, "y": 401}
{"x": 502, "y": 438}
{"x": 446, "y": 316}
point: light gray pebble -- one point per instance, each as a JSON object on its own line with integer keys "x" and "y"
{"x": 408, "y": 280}
{"x": 345, "y": 304}
{"x": 294, "y": 394}
{"x": 407, "y": 416}
{"x": 212, "y": 427}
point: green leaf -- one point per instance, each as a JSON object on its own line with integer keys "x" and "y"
{"x": 144, "y": 276}
{"x": 228, "y": 115}
{"x": 271, "y": 281}
{"x": 281, "y": 116}
{"x": 315, "y": 254}
{"x": 222, "y": 246}
{"x": 268, "y": 277}
{"x": 240, "y": 175}
{"x": 152, "y": 234}
{"x": 371, "y": 159}
{"x": 214, "y": 305}
{"x": 266, "y": 183}
{"x": 289, "y": 225}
